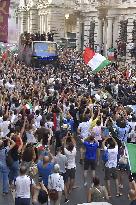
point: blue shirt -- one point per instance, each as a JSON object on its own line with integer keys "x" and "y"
{"x": 3, "y": 153}
{"x": 70, "y": 123}
{"x": 91, "y": 150}
{"x": 44, "y": 172}
{"x": 123, "y": 133}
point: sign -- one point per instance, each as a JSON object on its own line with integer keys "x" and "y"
{"x": 4, "y": 14}
{"x": 44, "y": 49}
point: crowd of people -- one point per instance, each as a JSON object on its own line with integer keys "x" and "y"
{"x": 47, "y": 115}
{"x": 27, "y": 38}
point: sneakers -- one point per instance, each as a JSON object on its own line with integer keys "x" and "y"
{"x": 121, "y": 186}
{"x": 66, "y": 201}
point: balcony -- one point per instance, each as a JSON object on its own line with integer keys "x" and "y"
{"x": 70, "y": 3}
{"x": 108, "y": 3}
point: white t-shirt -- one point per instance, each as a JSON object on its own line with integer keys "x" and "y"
{"x": 97, "y": 132}
{"x": 49, "y": 125}
{"x": 65, "y": 110}
{"x": 37, "y": 121}
{"x": 37, "y": 107}
{"x": 84, "y": 129}
{"x": 132, "y": 135}
{"x": 62, "y": 161}
{"x": 55, "y": 181}
{"x": 14, "y": 119}
{"x": 9, "y": 86}
{"x": 112, "y": 157}
{"x": 4, "y": 128}
{"x": 30, "y": 137}
{"x": 132, "y": 125}
{"x": 23, "y": 184}
{"x": 70, "y": 158}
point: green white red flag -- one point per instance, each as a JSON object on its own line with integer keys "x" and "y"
{"x": 95, "y": 60}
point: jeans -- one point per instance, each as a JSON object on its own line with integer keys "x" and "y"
{"x": 22, "y": 201}
{"x": 4, "y": 171}
{"x": 14, "y": 171}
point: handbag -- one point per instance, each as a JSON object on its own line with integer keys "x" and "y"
{"x": 100, "y": 193}
{"x": 53, "y": 193}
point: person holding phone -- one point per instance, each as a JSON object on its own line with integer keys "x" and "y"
{"x": 110, "y": 145}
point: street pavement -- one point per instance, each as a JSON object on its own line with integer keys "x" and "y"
{"x": 79, "y": 195}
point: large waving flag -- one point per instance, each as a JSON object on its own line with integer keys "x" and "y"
{"x": 95, "y": 60}
{"x": 131, "y": 152}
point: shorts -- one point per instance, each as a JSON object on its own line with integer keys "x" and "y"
{"x": 64, "y": 175}
{"x": 111, "y": 172}
{"x": 89, "y": 163}
{"x": 123, "y": 167}
{"x": 71, "y": 173}
{"x": 79, "y": 141}
{"x": 23, "y": 201}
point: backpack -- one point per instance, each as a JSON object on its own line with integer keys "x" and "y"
{"x": 97, "y": 195}
{"x": 9, "y": 159}
{"x": 105, "y": 156}
{"x": 43, "y": 196}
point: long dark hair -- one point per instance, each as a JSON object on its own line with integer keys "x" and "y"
{"x": 70, "y": 146}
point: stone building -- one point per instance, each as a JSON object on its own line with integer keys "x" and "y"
{"x": 12, "y": 22}
{"x": 93, "y": 22}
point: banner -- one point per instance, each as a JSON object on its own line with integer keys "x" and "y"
{"x": 4, "y": 14}
{"x": 44, "y": 49}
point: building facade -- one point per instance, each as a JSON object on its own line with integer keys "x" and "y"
{"x": 13, "y": 22}
{"x": 93, "y": 22}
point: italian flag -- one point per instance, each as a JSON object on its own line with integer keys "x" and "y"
{"x": 110, "y": 54}
{"x": 131, "y": 153}
{"x": 28, "y": 106}
{"x": 95, "y": 60}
